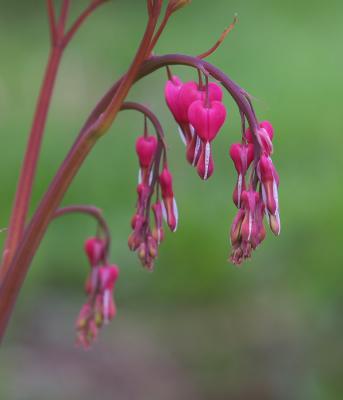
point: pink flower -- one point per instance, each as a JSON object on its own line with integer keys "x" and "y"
{"x": 171, "y": 93}
{"x": 179, "y": 98}
{"x": 269, "y": 182}
{"x": 95, "y": 249}
{"x": 207, "y": 120}
{"x": 191, "y": 92}
{"x": 107, "y": 277}
{"x": 170, "y": 207}
{"x": 146, "y": 148}
{"x": 242, "y": 156}
{"x": 158, "y": 231}
{"x": 247, "y": 230}
{"x": 100, "y": 307}
{"x": 266, "y": 135}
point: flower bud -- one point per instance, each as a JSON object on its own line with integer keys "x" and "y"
{"x": 269, "y": 181}
{"x": 266, "y": 134}
{"x": 166, "y": 183}
{"x": 95, "y": 249}
{"x": 146, "y": 147}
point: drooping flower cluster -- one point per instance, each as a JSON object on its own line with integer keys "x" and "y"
{"x": 256, "y": 198}
{"x": 100, "y": 307}
{"x": 200, "y": 114}
{"x": 146, "y": 239}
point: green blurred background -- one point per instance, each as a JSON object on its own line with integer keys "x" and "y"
{"x": 197, "y": 328}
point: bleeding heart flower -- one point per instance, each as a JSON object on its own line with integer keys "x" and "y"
{"x": 207, "y": 120}
{"x": 269, "y": 182}
{"x": 266, "y": 134}
{"x": 146, "y": 148}
{"x": 242, "y": 156}
{"x": 95, "y": 249}
{"x": 247, "y": 230}
{"x": 171, "y": 212}
{"x": 171, "y": 93}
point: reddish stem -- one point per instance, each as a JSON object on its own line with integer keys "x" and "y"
{"x": 52, "y": 21}
{"x": 63, "y": 18}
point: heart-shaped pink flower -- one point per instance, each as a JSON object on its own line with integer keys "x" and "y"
{"x": 207, "y": 120}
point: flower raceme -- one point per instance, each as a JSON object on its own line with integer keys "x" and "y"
{"x": 200, "y": 114}
{"x": 247, "y": 230}
{"x": 100, "y": 307}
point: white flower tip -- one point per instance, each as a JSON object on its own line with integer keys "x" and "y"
{"x": 176, "y": 214}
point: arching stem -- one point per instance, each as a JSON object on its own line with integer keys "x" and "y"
{"x": 92, "y": 211}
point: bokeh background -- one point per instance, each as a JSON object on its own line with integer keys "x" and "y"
{"x": 197, "y": 328}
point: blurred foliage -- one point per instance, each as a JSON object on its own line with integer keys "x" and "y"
{"x": 288, "y": 55}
